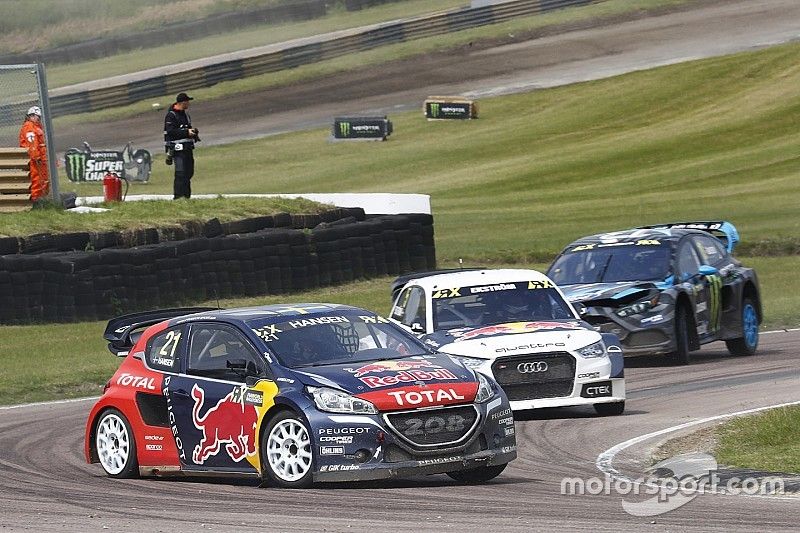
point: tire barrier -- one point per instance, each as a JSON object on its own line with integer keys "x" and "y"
{"x": 90, "y": 96}
{"x": 38, "y": 284}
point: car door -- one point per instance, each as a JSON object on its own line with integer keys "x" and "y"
{"x": 711, "y": 253}
{"x": 696, "y": 284}
{"x": 219, "y": 398}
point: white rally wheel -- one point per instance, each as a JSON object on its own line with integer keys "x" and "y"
{"x": 115, "y": 445}
{"x": 288, "y": 452}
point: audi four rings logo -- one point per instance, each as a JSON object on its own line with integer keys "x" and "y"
{"x": 532, "y": 368}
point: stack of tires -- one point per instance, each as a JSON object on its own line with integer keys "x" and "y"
{"x": 40, "y": 281}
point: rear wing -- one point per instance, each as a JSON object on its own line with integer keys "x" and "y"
{"x": 401, "y": 281}
{"x": 119, "y": 331}
{"x": 722, "y": 230}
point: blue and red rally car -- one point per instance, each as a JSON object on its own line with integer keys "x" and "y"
{"x": 293, "y": 394}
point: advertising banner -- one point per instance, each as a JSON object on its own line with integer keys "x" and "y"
{"x": 93, "y": 165}
{"x": 362, "y": 128}
{"x": 449, "y": 107}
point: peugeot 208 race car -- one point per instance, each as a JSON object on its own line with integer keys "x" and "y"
{"x": 516, "y": 326}
{"x": 294, "y": 394}
{"x": 664, "y": 289}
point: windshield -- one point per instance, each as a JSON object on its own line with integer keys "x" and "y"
{"x": 484, "y": 305}
{"x": 628, "y": 262}
{"x": 336, "y": 338}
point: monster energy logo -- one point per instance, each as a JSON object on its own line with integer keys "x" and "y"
{"x": 76, "y": 165}
{"x": 715, "y": 301}
{"x": 435, "y": 109}
{"x": 344, "y": 129}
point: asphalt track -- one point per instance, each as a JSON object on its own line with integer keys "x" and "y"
{"x": 45, "y": 484}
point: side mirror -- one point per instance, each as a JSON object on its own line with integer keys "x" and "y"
{"x": 707, "y": 270}
{"x": 416, "y": 327}
{"x": 237, "y": 365}
{"x": 580, "y": 308}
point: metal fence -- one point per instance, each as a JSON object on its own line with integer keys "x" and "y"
{"x": 23, "y": 86}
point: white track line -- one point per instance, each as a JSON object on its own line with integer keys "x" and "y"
{"x": 604, "y": 460}
{"x": 53, "y": 402}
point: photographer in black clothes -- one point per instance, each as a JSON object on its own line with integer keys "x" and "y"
{"x": 179, "y": 139}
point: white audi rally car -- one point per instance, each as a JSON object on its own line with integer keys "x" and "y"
{"x": 516, "y": 326}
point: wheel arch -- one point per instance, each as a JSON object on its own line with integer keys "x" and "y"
{"x": 750, "y": 291}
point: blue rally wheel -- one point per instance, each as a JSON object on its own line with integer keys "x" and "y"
{"x": 748, "y": 342}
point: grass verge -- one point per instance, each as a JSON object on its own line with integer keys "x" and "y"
{"x": 768, "y": 441}
{"x": 147, "y": 214}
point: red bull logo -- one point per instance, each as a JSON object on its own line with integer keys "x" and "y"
{"x": 391, "y": 366}
{"x": 405, "y": 371}
{"x": 231, "y": 422}
{"x": 517, "y": 327}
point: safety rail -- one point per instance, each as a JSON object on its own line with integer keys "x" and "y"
{"x": 75, "y": 99}
{"x": 14, "y": 180}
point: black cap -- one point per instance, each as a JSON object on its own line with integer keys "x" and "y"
{"x": 183, "y": 97}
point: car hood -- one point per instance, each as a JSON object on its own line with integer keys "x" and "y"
{"x": 608, "y": 294}
{"x": 514, "y": 337}
{"x": 414, "y": 381}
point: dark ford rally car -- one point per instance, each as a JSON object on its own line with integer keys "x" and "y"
{"x": 664, "y": 289}
{"x": 294, "y": 394}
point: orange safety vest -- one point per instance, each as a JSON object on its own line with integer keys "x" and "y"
{"x": 31, "y": 137}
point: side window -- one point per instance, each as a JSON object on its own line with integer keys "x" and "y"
{"x": 222, "y": 352}
{"x": 710, "y": 250}
{"x": 414, "y": 310}
{"x": 399, "y": 310}
{"x": 688, "y": 264}
{"x": 163, "y": 352}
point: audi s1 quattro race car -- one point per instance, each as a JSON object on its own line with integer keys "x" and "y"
{"x": 293, "y": 394}
{"x": 515, "y": 326}
{"x": 664, "y": 289}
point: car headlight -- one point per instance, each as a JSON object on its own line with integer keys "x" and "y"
{"x": 473, "y": 363}
{"x": 639, "y": 307}
{"x": 485, "y": 389}
{"x": 336, "y": 401}
{"x": 597, "y": 349}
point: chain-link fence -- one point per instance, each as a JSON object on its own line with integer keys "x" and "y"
{"x": 23, "y": 86}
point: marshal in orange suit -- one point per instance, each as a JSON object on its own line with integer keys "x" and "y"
{"x": 31, "y": 137}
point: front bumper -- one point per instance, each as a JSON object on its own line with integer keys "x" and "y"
{"x": 617, "y": 394}
{"x": 366, "y": 447}
{"x": 642, "y": 334}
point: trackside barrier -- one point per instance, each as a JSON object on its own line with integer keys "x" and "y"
{"x": 14, "y": 180}
{"x": 270, "y": 255}
{"x": 449, "y": 107}
{"x": 93, "y": 96}
{"x": 362, "y": 128}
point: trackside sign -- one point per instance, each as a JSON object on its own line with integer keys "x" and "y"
{"x": 449, "y": 107}
{"x": 362, "y": 128}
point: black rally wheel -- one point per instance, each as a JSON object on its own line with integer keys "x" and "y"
{"x": 681, "y": 354}
{"x": 477, "y": 475}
